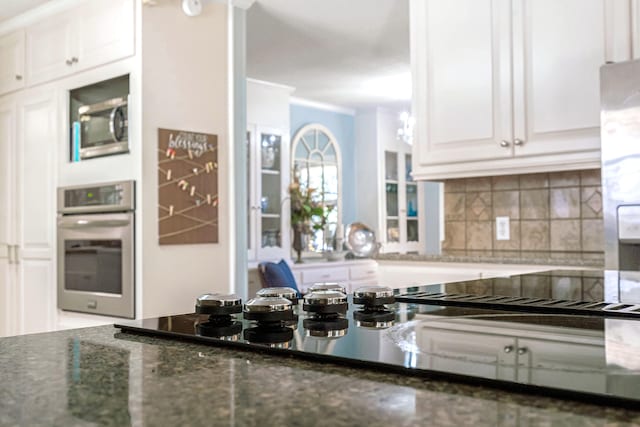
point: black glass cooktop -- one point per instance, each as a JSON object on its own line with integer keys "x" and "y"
{"x": 596, "y": 358}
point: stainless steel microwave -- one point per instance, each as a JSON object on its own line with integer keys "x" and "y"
{"x": 101, "y": 129}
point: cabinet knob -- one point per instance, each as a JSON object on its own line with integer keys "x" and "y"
{"x": 505, "y": 144}
{"x": 518, "y": 142}
{"x": 74, "y": 60}
{"x": 68, "y": 62}
{"x": 508, "y": 349}
{"x": 18, "y": 77}
{"x": 522, "y": 350}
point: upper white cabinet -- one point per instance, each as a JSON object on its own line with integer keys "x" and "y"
{"x": 511, "y": 86}
{"x": 98, "y": 32}
{"x": 268, "y": 171}
{"x": 12, "y": 62}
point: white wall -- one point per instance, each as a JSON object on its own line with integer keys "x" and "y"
{"x": 184, "y": 86}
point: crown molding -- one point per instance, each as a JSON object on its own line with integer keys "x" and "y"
{"x": 322, "y": 106}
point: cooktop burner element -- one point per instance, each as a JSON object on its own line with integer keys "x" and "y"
{"x": 269, "y": 310}
{"x": 325, "y": 303}
{"x": 219, "y": 304}
{"x": 327, "y": 287}
{"x": 373, "y": 296}
{"x": 282, "y": 292}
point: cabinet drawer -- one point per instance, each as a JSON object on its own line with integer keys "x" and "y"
{"x": 360, "y": 272}
{"x": 325, "y": 275}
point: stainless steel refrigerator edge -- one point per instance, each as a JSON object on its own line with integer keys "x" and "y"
{"x": 620, "y": 120}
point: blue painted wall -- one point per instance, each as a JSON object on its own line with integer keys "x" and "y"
{"x": 342, "y": 127}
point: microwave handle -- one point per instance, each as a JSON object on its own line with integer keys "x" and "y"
{"x": 116, "y": 113}
{"x": 83, "y": 223}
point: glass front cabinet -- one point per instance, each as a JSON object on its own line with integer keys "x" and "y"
{"x": 268, "y": 178}
{"x": 403, "y": 200}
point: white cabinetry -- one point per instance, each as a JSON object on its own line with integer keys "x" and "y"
{"x": 542, "y": 355}
{"x": 12, "y": 62}
{"x": 27, "y": 192}
{"x": 98, "y": 32}
{"x": 351, "y": 274}
{"x": 268, "y": 146}
{"x": 511, "y": 86}
{"x": 388, "y": 199}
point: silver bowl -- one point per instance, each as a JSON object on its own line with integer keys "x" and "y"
{"x": 361, "y": 240}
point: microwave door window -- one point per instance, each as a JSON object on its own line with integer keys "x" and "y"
{"x": 93, "y": 266}
{"x": 96, "y": 129}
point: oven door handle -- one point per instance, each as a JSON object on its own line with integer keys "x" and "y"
{"x": 100, "y": 223}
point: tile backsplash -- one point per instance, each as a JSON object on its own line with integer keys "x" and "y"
{"x": 558, "y": 212}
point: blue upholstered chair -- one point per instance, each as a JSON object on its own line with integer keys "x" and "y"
{"x": 274, "y": 274}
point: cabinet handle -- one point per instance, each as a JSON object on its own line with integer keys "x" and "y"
{"x": 505, "y": 144}
{"x": 518, "y": 142}
{"x": 68, "y": 62}
{"x": 74, "y": 59}
{"x": 9, "y": 254}
{"x": 18, "y": 77}
{"x": 508, "y": 349}
{"x": 16, "y": 254}
{"x": 522, "y": 350}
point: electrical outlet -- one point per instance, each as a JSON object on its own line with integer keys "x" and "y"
{"x": 502, "y": 228}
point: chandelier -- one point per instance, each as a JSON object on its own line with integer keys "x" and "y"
{"x": 405, "y": 131}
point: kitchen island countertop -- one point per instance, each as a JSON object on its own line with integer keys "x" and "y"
{"x": 100, "y": 376}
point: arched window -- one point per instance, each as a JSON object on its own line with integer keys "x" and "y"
{"x": 316, "y": 164}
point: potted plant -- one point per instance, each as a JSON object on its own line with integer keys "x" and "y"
{"x": 308, "y": 214}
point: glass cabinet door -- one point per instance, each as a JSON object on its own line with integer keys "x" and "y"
{"x": 411, "y": 191}
{"x": 271, "y": 195}
{"x": 391, "y": 196}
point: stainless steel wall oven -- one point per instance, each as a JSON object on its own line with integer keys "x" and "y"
{"x": 96, "y": 229}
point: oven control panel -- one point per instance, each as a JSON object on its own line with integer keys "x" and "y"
{"x": 108, "y": 197}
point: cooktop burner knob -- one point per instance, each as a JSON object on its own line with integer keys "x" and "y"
{"x": 373, "y": 296}
{"x": 325, "y": 302}
{"x": 219, "y": 304}
{"x": 288, "y": 293}
{"x": 328, "y": 287}
{"x": 334, "y": 327}
{"x": 269, "y": 309}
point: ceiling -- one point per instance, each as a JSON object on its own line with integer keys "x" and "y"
{"x": 11, "y": 8}
{"x": 353, "y": 53}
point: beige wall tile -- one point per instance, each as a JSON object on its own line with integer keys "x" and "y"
{"x": 565, "y": 203}
{"x": 536, "y": 286}
{"x": 591, "y": 198}
{"x": 538, "y": 180}
{"x": 506, "y": 203}
{"x": 478, "y": 206}
{"x": 563, "y": 287}
{"x": 593, "y": 288}
{"x": 590, "y": 177}
{"x": 454, "y": 235}
{"x": 592, "y": 235}
{"x": 565, "y": 235}
{"x": 564, "y": 179}
{"x": 513, "y": 243}
{"x": 509, "y": 286}
{"x": 454, "y": 206}
{"x": 454, "y": 185}
{"x": 479, "y": 184}
{"x": 534, "y": 204}
{"x": 534, "y": 235}
{"x": 506, "y": 182}
{"x": 479, "y": 235}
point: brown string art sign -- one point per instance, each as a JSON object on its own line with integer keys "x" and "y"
{"x": 187, "y": 187}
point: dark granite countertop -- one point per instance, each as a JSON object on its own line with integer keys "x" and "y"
{"x": 99, "y": 376}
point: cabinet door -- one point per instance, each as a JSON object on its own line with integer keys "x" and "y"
{"x": 252, "y": 196}
{"x": 50, "y": 48}
{"x": 554, "y": 364}
{"x": 461, "y": 59}
{"x": 475, "y": 354}
{"x": 559, "y": 46}
{"x": 36, "y": 210}
{"x": 12, "y": 62}
{"x": 105, "y": 32}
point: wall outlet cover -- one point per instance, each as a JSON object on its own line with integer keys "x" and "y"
{"x": 502, "y": 228}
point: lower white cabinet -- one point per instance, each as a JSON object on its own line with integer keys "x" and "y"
{"x": 27, "y": 141}
{"x": 544, "y": 356}
{"x": 351, "y": 274}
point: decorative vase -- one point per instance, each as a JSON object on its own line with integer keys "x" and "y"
{"x": 297, "y": 242}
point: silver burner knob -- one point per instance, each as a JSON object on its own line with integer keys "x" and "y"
{"x": 328, "y": 287}
{"x": 373, "y": 296}
{"x": 325, "y": 302}
{"x": 288, "y": 293}
{"x": 269, "y": 309}
{"x": 218, "y": 304}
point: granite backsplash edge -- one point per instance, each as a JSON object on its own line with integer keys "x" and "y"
{"x": 560, "y": 259}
